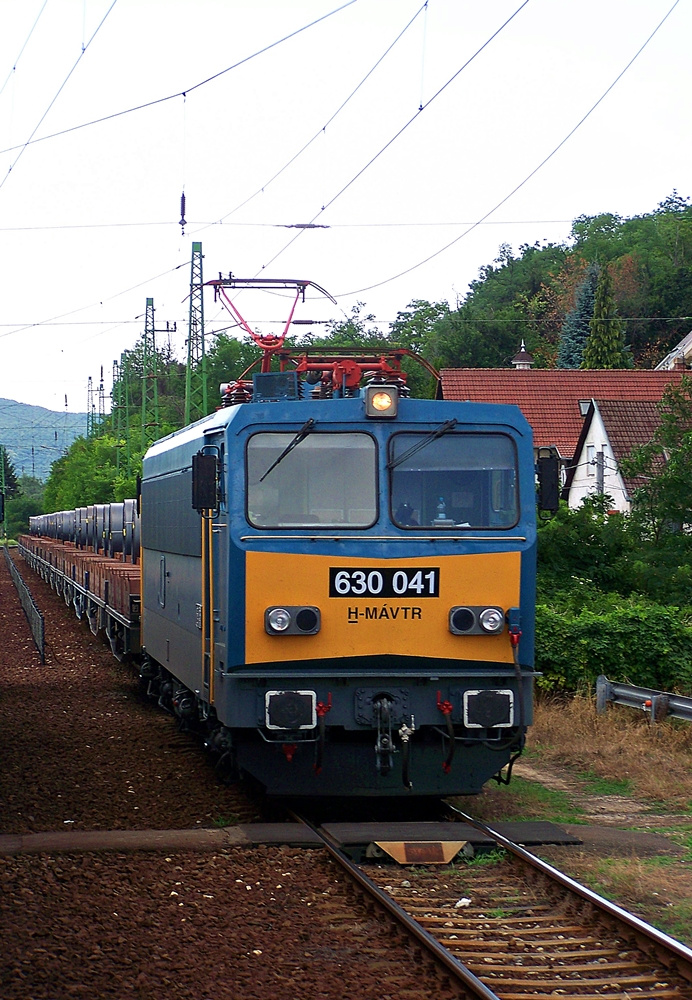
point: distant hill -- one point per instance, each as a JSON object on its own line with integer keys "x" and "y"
{"x": 35, "y": 437}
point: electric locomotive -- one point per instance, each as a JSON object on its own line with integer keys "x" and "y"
{"x": 342, "y": 587}
{"x": 336, "y": 582}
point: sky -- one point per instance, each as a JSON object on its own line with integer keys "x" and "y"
{"x": 415, "y": 138}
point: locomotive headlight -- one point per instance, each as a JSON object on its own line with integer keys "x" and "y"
{"x": 476, "y": 620}
{"x": 381, "y": 400}
{"x": 278, "y": 619}
{"x": 292, "y": 620}
{"x": 492, "y": 620}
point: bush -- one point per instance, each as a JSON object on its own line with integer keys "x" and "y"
{"x": 630, "y": 641}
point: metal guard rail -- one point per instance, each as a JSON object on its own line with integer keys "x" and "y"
{"x": 659, "y": 704}
{"x": 33, "y": 615}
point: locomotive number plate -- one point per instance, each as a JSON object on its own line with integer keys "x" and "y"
{"x": 385, "y": 582}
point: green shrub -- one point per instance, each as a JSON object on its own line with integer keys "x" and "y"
{"x": 629, "y": 640}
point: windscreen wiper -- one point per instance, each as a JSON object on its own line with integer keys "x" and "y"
{"x": 302, "y": 433}
{"x": 423, "y": 443}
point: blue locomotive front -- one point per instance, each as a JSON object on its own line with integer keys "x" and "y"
{"x": 342, "y": 590}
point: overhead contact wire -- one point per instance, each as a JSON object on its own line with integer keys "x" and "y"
{"x": 72, "y": 312}
{"x": 180, "y": 93}
{"x": 60, "y": 89}
{"x": 324, "y": 127}
{"x": 420, "y": 111}
{"x": 21, "y": 51}
{"x": 528, "y": 177}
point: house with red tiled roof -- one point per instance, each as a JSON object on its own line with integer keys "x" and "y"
{"x": 554, "y": 401}
{"x": 611, "y": 429}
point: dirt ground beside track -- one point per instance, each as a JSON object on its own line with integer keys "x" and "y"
{"x": 80, "y": 745}
{"x": 267, "y": 924}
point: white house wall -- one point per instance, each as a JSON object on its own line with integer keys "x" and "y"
{"x": 585, "y": 481}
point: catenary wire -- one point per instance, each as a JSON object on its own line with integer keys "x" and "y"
{"x": 322, "y": 129}
{"x": 476, "y": 320}
{"x": 181, "y": 93}
{"x": 528, "y": 177}
{"x": 479, "y": 222}
{"x": 286, "y": 225}
{"x": 91, "y": 305}
{"x": 23, "y": 147}
{"x": 400, "y": 132}
{"x": 26, "y": 42}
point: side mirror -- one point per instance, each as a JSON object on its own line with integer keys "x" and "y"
{"x": 205, "y": 482}
{"x": 548, "y": 472}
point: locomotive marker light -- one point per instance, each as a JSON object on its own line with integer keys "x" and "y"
{"x": 278, "y": 619}
{"x": 381, "y": 401}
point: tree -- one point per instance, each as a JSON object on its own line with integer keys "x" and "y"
{"x": 85, "y": 475}
{"x": 17, "y": 514}
{"x": 413, "y": 325}
{"x": 597, "y": 237}
{"x": 469, "y": 338}
{"x": 584, "y": 544}
{"x": 412, "y": 329}
{"x": 357, "y": 330}
{"x": 227, "y": 360}
{"x": 662, "y": 503}
{"x": 605, "y": 345}
{"x": 576, "y": 327}
{"x": 8, "y": 475}
{"x": 31, "y": 488}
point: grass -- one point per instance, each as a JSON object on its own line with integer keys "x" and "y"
{"x": 481, "y": 858}
{"x": 679, "y": 922}
{"x": 521, "y": 800}
{"x": 619, "y": 753}
{"x": 599, "y": 785}
{"x": 223, "y": 821}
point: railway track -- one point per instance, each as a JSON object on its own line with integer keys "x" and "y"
{"x": 508, "y": 925}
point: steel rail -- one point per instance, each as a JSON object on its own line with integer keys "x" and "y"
{"x": 658, "y": 938}
{"x": 438, "y": 951}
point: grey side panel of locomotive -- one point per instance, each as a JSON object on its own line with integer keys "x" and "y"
{"x": 171, "y": 541}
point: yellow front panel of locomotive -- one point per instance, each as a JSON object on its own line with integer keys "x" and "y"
{"x": 369, "y": 625}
